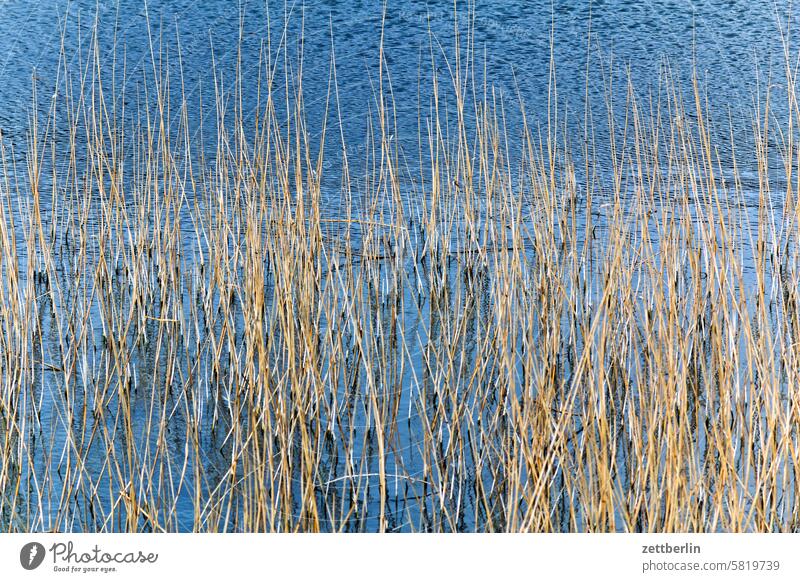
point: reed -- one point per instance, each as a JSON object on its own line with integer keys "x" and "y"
{"x": 510, "y": 334}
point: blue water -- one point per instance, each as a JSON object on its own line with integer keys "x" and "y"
{"x": 724, "y": 42}
{"x": 526, "y": 52}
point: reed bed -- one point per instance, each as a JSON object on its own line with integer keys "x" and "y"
{"x": 503, "y": 331}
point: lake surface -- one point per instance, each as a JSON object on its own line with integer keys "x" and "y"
{"x": 734, "y": 47}
{"x": 725, "y": 42}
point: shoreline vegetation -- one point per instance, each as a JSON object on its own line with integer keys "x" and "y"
{"x": 502, "y": 331}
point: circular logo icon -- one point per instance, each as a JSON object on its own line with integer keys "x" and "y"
{"x": 31, "y": 555}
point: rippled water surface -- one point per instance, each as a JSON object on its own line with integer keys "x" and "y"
{"x": 559, "y": 56}
{"x": 725, "y": 42}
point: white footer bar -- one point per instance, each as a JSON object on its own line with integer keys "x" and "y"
{"x": 354, "y": 557}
